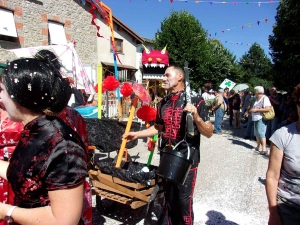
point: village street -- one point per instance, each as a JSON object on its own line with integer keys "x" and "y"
{"x": 230, "y": 183}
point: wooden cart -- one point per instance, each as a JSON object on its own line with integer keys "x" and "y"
{"x": 112, "y": 189}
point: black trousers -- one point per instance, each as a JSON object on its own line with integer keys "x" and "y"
{"x": 179, "y": 200}
{"x": 230, "y": 117}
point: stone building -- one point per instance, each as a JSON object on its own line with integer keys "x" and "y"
{"x": 30, "y": 23}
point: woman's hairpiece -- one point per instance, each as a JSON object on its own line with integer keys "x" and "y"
{"x": 48, "y": 112}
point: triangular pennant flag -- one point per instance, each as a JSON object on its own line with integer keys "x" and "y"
{"x": 234, "y": 3}
{"x": 243, "y": 27}
{"x": 223, "y": 2}
{"x": 216, "y": 34}
{"x": 266, "y": 20}
{"x": 249, "y": 24}
{"x": 171, "y": 1}
{"x": 210, "y": 3}
{"x": 222, "y": 31}
{"x": 258, "y": 23}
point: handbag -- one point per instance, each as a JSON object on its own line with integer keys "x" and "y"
{"x": 244, "y": 119}
{"x": 269, "y": 115}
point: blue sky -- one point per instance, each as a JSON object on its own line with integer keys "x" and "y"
{"x": 145, "y": 16}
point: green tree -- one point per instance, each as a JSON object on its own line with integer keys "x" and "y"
{"x": 186, "y": 41}
{"x": 256, "y": 68}
{"x": 285, "y": 44}
{"x": 221, "y": 64}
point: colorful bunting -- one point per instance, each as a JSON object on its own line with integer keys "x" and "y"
{"x": 220, "y": 2}
{"x": 242, "y": 26}
{"x": 224, "y": 3}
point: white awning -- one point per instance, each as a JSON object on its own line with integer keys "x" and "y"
{"x": 57, "y": 33}
{"x": 7, "y": 23}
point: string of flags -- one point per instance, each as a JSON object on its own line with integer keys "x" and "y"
{"x": 224, "y": 3}
{"x": 242, "y": 26}
{"x": 221, "y": 2}
{"x": 241, "y": 43}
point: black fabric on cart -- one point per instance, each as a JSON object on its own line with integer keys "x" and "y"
{"x": 129, "y": 171}
{"x": 106, "y": 134}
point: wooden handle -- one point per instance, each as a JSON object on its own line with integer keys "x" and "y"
{"x": 128, "y": 126}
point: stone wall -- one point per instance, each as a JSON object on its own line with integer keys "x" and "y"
{"x": 31, "y": 19}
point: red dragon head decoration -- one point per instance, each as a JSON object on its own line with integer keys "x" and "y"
{"x": 155, "y": 58}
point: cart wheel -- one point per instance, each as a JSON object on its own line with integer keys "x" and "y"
{"x": 104, "y": 205}
{"x": 156, "y": 208}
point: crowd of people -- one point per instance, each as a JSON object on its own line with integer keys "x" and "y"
{"x": 47, "y": 163}
{"x": 281, "y": 133}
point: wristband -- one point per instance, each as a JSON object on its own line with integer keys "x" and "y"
{"x": 8, "y": 218}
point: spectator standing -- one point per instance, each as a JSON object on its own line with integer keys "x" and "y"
{"x": 236, "y": 107}
{"x": 249, "y": 116}
{"x": 211, "y": 94}
{"x": 218, "y": 107}
{"x": 225, "y": 97}
{"x": 283, "y": 174}
{"x": 262, "y": 104}
{"x": 275, "y": 99}
{"x": 248, "y": 96}
{"x": 205, "y": 95}
{"x": 230, "y": 106}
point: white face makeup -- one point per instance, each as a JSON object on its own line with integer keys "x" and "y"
{"x": 9, "y": 104}
{"x": 170, "y": 79}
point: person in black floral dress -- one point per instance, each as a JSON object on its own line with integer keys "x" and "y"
{"x": 171, "y": 125}
{"x": 48, "y": 167}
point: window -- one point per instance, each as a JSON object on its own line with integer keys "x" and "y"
{"x": 8, "y": 30}
{"x": 118, "y": 45}
{"x": 56, "y": 33}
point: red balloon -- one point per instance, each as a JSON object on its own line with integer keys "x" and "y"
{"x": 111, "y": 83}
{"x": 146, "y": 113}
{"x": 126, "y": 89}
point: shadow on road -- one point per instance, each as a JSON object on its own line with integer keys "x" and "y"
{"x": 242, "y": 143}
{"x": 217, "y": 218}
{"x": 263, "y": 181}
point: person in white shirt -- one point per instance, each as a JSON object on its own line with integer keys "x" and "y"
{"x": 211, "y": 94}
{"x": 205, "y": 95}
{"x": 261, "y": 105}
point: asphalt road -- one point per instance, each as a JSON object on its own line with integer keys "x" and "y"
{"x": 230, "y": 186}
